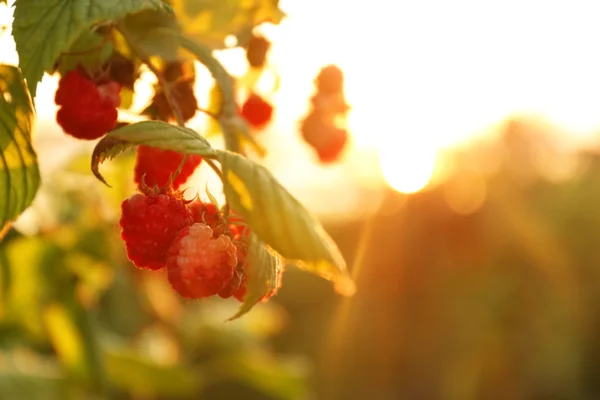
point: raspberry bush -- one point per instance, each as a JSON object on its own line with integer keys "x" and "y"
{"x": 141, "y": 256}
{"x": 231, "y": 250}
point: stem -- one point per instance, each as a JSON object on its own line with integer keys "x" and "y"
{"x": 214, "y": 167}
{"x": 166, "y": 88}
{"x": 210, "y": 114}
{"x": 161, "y": 80}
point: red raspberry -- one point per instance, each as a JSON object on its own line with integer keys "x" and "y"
{"x": 156, "y": 166}
{"x": 256, "y": 111}
{"x": 330, "y": 80}
{"x": 331, "y": 104}
{"x": 200, "y": 265}
{"x": 149, "y": 223}
{"x": 326, "y": 139}
{"x": 331, "y": 150}
{"x": 206, "y": 213}
{"x": 256, "y": 51}
{"x": 87, "y": 110}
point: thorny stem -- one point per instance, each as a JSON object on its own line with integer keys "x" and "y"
{"x": 166, "y": 88}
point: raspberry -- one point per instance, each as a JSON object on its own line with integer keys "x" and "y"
{"x": 326, "y": 139}
{"x": 149, "y": 223}
{"x": 156, "y": 166}
{"x": 183, "y": 94}
{"x": 200, "y": 265}
{"x": 331, "y": 150}
{"x": 256, "y": 51}
{"x": 330, "y": 80}
{"x": 257, "y": 111}
{"x": 206, "y": 213}
{"x": 87, "y": 110}
{"x": 330, "y": 103}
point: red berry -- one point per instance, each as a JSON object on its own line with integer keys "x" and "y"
{"x": 331, "y": 104}
{"x": 325, "y": 138}
{"x": 200, "y": 265}
{"x": 330, "y": 80}
{"x": 156, "y": 167}
{"x": 208, "y": 213}
{"x": 87, "y": 110}
{"x": 257, "y": 111}
{"x": 331, "y": 150}
{"x": 149, "y": 223}
{"x": 256, "y": 51}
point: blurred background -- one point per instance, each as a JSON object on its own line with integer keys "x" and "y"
{"x": 465, "y": 205}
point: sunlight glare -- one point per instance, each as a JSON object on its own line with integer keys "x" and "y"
{"x": 449, "y": 69}
{"x": 407, "y": 168}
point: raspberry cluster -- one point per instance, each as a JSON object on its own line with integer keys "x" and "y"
{"x": 204, "y": 253}
{"x": 88, "y": 109}
{"x": 319, "y": 128}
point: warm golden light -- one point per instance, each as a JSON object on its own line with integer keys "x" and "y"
{"x": 407, "y": 169}
{"x": 447, "y": 70}
{"x": 421, "y": 77}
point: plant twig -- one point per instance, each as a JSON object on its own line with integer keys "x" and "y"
{"x": 169, "y": 96}
{"x": 214, "y": 167}
{"x": 161, "y": 80}
{"x": 210, "y": 114}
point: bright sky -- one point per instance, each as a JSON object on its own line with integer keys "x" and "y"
{"x": 422, "y": 76}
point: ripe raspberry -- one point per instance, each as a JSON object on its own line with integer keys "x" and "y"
{"x": 256, "y": 51}
{"x": 330, "y": 80}
{"x": 87, "y": 110}
{"x": 156, "y": 167}
{"x": 149, "y": 223}
{"x": 331, "y": 150}
{"x": 330, "y": 103}
{"x": 206, "y": 213}
{"x": 256, "y": 111}
{"x": 200, "y": 265}
{"x": 326, "y": 139}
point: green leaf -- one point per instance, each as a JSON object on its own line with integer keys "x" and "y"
{"x": 90, "y": 49}
{"x": 145, "y": 29}
{"x": 263, "y": 269}
{"x": 280, "y": 220}
{"x": 19, "y": 174}
{"x": 44, "y": 28}
{"x": 153, "y": 134}
{"x": 211, "y": 21}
